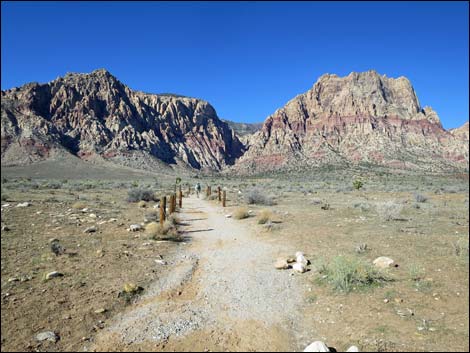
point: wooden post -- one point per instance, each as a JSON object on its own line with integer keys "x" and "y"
{"x": 170, "y": 206}
{"x": 180, "y": 203}
{"x": 162, "y": 210}
{"x": 210, "y": 191}
{"x": 224, "y": 198}
{"x": 189, "y": 190}
{"x": 207, "y": 191}
{"x": 218, "y": 193}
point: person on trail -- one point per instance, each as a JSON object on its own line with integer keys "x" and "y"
{"x": 198, "y": 189}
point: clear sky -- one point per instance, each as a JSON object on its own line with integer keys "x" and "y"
{"x": 246, "y": 58}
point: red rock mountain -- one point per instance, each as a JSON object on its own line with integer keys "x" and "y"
{"x": 361, "y": 118}
{"x": 95, "y": 116}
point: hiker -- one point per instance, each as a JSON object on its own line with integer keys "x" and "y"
{"x": 198, "y": 189}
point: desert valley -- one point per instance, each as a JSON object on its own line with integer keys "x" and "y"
{"x": 342, "y": 219}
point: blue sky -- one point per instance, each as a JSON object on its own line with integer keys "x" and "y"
{"x": 246, "y": 58}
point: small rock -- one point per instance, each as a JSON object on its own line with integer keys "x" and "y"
{"x": 92, "y": 215}
{"x": 5, "y": 229}
{"x": 13, "y": 279}
{"x": 281, "y": 264}
{"x": 353, "y": 349}
{"x": 84, "y": 210}
{"x": 100, "y": 311}
{"x": 53, "y": 274}
{"x": 317, "y": 346}
{"x": 228, "y": 216}
{"x": 386, "y": 301}
{"x": 290, "y": 260}
{"x": 91, "y": 229}
{"x": 301, "y": 259}
{"x": 23, "y": 204}
{"x": 47, "y": 336}
{"x": 383, "y": 262}
{"x": 301, "y": 268}
{"x": 160, "y": 262}
{"x": 112, "y": 220}
{"x": 135, "y": 227}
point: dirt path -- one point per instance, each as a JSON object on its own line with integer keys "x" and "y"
{"x": 222, "y": 293}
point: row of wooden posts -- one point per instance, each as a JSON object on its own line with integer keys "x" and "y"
{"x": 222, "y": 195}
{"x": 172, "y": 201}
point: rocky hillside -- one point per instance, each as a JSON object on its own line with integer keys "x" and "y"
{"x": 244, "y": 131}
{"x": 361, "y": 118}
{"x": 94, "y": 116}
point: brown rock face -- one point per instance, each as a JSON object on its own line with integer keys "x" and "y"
{"x": 360, "y": 118}
{"x": 96, "y": 116}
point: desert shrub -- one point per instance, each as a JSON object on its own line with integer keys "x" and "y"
{"x": 78, "y": 205}
{"x": 257, "y": 196}
{"x": 415, "y": 272}
{"x": 361, "y": 248}
{"x": 419, "y": 197}
{"x": 264, "y": 216}
{"x": 241, "y": 213}
{"x": 53, "y": 185}
{"x": 173, "y": 219}
{"x": 460, "y": 247}
{"x": 346, "y": 274}
{"x": 139, "y": 194}
{"x": 325, "y": 206}
{"x": 389, "y": 210}
{"x": 357, "y": 184}
{"x": 151, "y": 217}
{"x": 363, "y": 206}
{"x": 165, "y": 231}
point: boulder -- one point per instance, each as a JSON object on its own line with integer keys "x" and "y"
{"x": 353, "y": 349}
{"x": 383, "y": 262}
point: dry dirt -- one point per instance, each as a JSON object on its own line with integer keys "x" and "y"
{"x": 219, "y": 290}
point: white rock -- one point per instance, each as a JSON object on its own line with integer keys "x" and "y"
{"x": 383, "y": 262}
{"x": 53, "y": 274}
{"x": 47, "y": 336}
{"x": 299, "y": 267}
{"x": 85, "y": 209}
{"x": 317, "y": 346}
{"x": 301, "y": 259}
{"x": 23, "y": 204}
{"x": 228, "y": 216}
{"x": 160, "y": 262}
{"x": 135, "y": 227}
{"x": 353, "y": 349}
{"x": 92, "y": 215}
{"x": 299, "y": 253}
{"x": 90, "y": 230}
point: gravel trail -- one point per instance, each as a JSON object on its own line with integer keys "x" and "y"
{"x": 222, "y": 292}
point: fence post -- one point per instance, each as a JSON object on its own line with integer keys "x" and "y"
{"x": 218, "y": 193}
{"x": 223, "y": 198}
{"x": 180, "y": 203}
{"x": 162, "y": 210}
{"x": 189, "y": 190}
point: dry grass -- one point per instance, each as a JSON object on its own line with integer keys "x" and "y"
{"x": 241, "y": 213}
{"x": 78, "y": 205}
{"x": 156, "y": 231}
{"x": 264, "y": 216}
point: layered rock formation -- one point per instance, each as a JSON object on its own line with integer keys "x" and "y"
{"x": 360, "y": 118}
{"x": 95, "y": 116}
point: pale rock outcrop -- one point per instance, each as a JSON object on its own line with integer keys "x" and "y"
{"x": 361, "y": 118}
{"x": 94, "y": 116}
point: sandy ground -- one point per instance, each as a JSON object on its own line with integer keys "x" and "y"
{"x": 223, "y": 294}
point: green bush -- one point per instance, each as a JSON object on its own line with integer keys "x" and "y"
{"x": 346, "y": 274}
{"x": 357, "y": 184}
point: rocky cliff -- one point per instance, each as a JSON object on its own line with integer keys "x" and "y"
{"x": 94, "y": 116}
{"x": 361, "y": 118}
